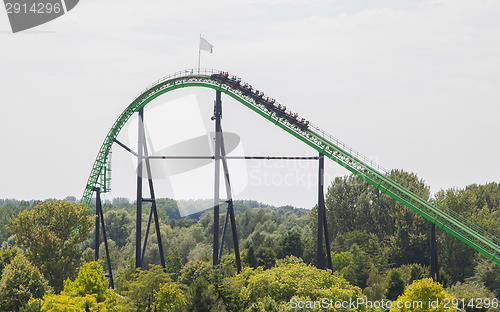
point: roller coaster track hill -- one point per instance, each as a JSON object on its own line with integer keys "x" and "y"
{"x": 308, "y": 133}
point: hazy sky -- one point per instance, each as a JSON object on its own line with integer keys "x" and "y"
{"x": 411, "y": 84}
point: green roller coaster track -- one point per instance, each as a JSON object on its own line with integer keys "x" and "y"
{"x": 316, "y": 138}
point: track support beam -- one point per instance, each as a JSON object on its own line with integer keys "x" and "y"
{"x": 434, "y": 256}
{"x": 100, "y": 216}
{"x": 322, "y": 225}
{"x": 218, "y": 131}
{"x": 138, "y": 219}
{"x": 153, "y": 212}
{"x": 142, "y": 156}
{"x": 220, "y": 155}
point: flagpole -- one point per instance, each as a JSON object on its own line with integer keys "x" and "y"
{"x": 199, "y": 55}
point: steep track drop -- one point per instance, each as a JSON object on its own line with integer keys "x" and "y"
{"x": 313, "y": 136}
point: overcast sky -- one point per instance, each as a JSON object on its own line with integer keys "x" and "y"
{"x": 413, "y": 85}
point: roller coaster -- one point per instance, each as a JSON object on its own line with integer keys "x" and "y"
{"x": 308, "y": 133}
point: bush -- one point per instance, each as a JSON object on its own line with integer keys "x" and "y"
{"x": 421, "y": 295}
{"x": 20, "y": 282}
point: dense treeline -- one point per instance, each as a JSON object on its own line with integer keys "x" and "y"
{"x": 390, "y": 236}
{"x": 379, "y": 248}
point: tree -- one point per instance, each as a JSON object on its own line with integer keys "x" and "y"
{"x": 118, "y": 226}
{"x": 169, "y": 298}
{"x": 9, "y": 209}
{"x": 6, "y": 256}
{"x": 265, "y": 304}
{"x": 50, "y": 235}
{"x": 90, "y": 288}
{"x": 471, "y": 291}
{"x": 455, "y": 257}
{"x": 202, "y": 297}
{"x": 395, "y": 285}
{"x": 354, "y": 205}
{"x": 424, "y": 295}
{"x": 173, "y": 262}
{"x": 90, "y": 281}
{"x": 286, "y": 280}
{"x": 143, "y": 287}
{"x": 375, "y": 285}
{"x": 361, "y": 265}
{"x": 250, "y": 258}
{"x": 487, "y": 273}
{"x": 291, "y": 245}
{"x": 194, "y": 269}
{"x": 20, "y": 282}
{"x": 266, "y": 257}
{"x": 64, "y": 303}
{"x": 354, "y": 265}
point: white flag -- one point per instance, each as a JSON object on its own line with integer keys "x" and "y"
{"x": 205, "y": 45}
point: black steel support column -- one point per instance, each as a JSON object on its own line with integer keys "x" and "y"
{"x": 97, "y": 216}
{"x": 154, "y": 211}
{"x": 146, "y": 235}
{"x": 220, "y": 154}
{"x": 138, "y": 224}
{"x": 218, "y": 132}
{"x": 434, "y": 256}
{"x": 221, "y": 249}
{"x": 319, "y": 252}
{"x": 235, "y": 236}
{"x": 101, "y": 216}
{"x": 322, "y": 224}
{"x": 327, "y": 239}
{"x": 230, "y": 207}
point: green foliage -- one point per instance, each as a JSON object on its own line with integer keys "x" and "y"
{"x": 457, "y": 259}
{"x": 373, "y": 239}
{"x": 368, "y": 242}
{"x": 266, "y": 257}
{"x": 118, "y": 226}
{"x": 50, "y": 235}
{"x": 34, "y": 305}
{"x": 289, "y": 260}
{"x": 20, "y": 282}
{"x": 6, "y": 256}
{"x": 201, "y": 296}
{"x": 250, "y": 257}
{"x": 420, "y": 295}
{"x": 169, "y": 298}
{"x": 412, "y": 272}
{"x": 283, "y": 282}
{"x": 124, "y": 276}
{"x": 265, "y": 304}
{"x": 90, "y": 281}
{"x": 9, "y": 209}
{"x": 143, "y": 287}
{"x": 471, "y": 291}
{"x": 173, "y": 262}
{"x": 354, "y": 265}
{"x": 375, "y": 285}
{"x": 395, "y": 285}
{"x": 65, "y": 303}
{"x": 169, "y": 207}
{"x": 418, "y": 271}
{"x": 291, "y": 245}
{"x": 487, "y": 273}
{"x": 89, "y": 288}
{"x": 193, "y": 270}
{"x": 357, "y": 212}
